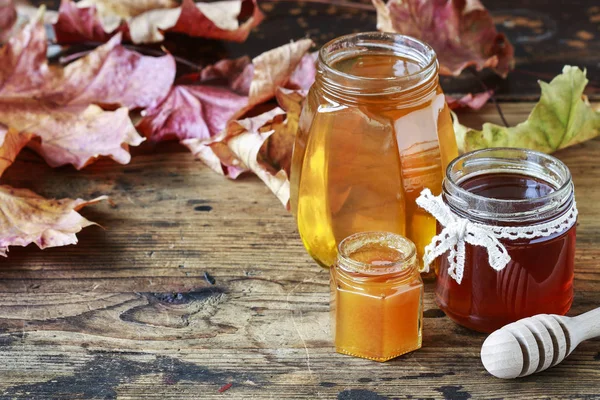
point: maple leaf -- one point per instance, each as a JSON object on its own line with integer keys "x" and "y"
{"x": 54, "y": 105}
{"x": 561, "y": 118}
{"x": 8, "y": 17}
{"x": 461, "y": 32}
{"x": 112, "y": 74}
{"x": 226, "y": 91}
{"x": 26, "y": 217}
{"x": 470, "y": 100}
{"x": 146, "y": 21}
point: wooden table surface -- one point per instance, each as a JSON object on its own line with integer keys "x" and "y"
{"x": 129, "y": 312}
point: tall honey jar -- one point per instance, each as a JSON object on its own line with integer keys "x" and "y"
{"x": 375, "y": 130}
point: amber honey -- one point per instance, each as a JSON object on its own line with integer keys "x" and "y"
{"x": 375, "y": 131}
{"x": 510, "y": 187}
{"x": 376, "y": 297}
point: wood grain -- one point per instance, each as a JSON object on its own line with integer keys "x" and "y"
{"x": 129, "y": 313}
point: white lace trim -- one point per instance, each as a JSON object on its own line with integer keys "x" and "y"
{"x": 458, "y": 231}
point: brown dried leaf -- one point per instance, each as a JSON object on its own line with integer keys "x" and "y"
{"x": 11, "y": 143}
{"x": 239, "y": 148}
{"x": 26, "y": 217}
{"x": 461, "y": 32}
{"x": 219, "y": 19}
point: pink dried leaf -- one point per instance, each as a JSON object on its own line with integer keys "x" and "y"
{"x": 81, "y": 24}
{"x": 461, "y": 32}
{"x": 26, "y": 217}
{"x": 199, "y": 111}
{"x": 473, "y": 101}
{"x": 8, "y": 17}
{"x": 23, "y": 65}
{"x": 112, "y": 74}
{"x": 224, "y": 92}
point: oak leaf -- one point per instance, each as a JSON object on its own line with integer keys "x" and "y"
{"x": 26, "y": 217}
{"x": 461, "y": 32}
{"x": 146, "y": 21}
{"x": 561, "y": 118}
{"x": 225, "y": 92}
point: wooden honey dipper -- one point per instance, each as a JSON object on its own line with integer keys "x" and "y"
{"x": 536, "y": 343}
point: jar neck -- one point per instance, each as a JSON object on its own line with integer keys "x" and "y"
{"x": 415, "y": 80}
{"x": 493, "y": 211}
{"x": 359, "y": 258}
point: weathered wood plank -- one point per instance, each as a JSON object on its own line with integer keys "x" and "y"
{"x": 128, "y": 312}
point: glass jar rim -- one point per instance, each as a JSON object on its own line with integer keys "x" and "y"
{"x": 347, "y": 46}
{"x": 354, "y": 242}
{"x": 394, "y": 40}
{"x": 508, "y": 209}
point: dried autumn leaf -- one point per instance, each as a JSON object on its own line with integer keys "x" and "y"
{"x": 219, "y": 19}
{"x": 8, "y": 17}
{"x": 262, "y": 145}
{"x": 461, "y": 32}
{"x": 239, "y": 148}
{"x": 75, "y": 135}
{"x": 11, "y": 143}
{"x": 28, "y": 218}
{"x": 75, "y": 25}
{"x": 112, "y": 74}
{"x": 54, "y": 105}
{"x": 224, "y": 92}
{"x": 561, "y": 118}
{"x": 146, "y": 21}
{"x": 470, "y": 100}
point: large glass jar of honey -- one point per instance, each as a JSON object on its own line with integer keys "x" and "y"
{"x": 375, "y": 130}
{"x": 525, "y": 200}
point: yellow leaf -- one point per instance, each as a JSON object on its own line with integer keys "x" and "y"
{"x": 561, "y": 118}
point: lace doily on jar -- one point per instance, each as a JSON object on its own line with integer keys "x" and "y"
{"x": 458, "y": 231}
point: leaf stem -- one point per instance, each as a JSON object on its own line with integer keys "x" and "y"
{"x": 493, "y": 96}
{"x": 141, "y": 49}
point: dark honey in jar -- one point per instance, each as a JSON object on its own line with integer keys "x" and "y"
{"x": 525, "y": 192}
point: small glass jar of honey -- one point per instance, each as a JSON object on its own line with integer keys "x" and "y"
{"x": 376, "y": 296}
{"x": 524, "y": 200}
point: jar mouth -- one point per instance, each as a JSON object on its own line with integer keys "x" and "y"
{"x": 381, "y": 43}
{"x": 353, "y": 243}
{"x": 505, "y": 160}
